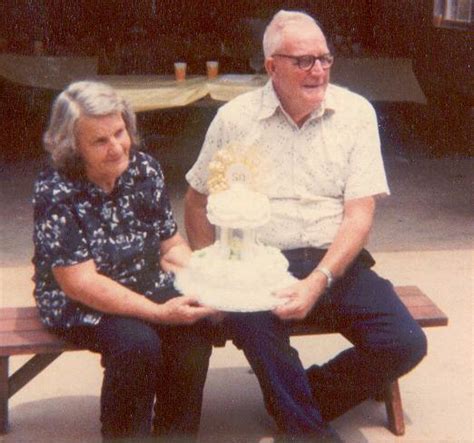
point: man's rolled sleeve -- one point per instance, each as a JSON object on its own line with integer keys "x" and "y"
{"x": 367, "y": 173}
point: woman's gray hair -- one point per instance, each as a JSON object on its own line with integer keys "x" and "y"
{"x": 89, "y": 98}
{"x": 274, "y": 33}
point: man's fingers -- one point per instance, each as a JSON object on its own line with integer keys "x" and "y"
{"x": 284, "y": 309}
{"x": 293, "y": 310}
{"x": 288, "y": 290}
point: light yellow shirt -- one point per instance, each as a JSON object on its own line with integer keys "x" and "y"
{"x": 308, "y": 172}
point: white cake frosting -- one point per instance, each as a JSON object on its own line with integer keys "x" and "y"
{"x": 236, "y": 273}
{"x": 238, "y": 207}
{"x": 235, "y": 285}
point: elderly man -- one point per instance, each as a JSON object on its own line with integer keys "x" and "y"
{"x": 321, "y": 150}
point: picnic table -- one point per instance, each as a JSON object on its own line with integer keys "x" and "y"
{"x": 377, "y": 79}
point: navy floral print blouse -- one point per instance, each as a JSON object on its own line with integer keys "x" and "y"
{"x": 76, "y": 221}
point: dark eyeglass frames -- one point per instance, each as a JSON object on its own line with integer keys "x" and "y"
{"x": 306, "y": 62}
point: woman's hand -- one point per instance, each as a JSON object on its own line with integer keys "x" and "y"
{"x": 185, "y": 310}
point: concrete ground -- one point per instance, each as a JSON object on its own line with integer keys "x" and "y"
{"x": 423, "y": 236}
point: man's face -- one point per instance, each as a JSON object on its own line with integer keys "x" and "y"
{"x": 299, "y": 91}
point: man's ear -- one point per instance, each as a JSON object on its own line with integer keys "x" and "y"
{"x": 270, "y": 66}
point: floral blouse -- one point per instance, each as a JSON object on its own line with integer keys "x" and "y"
{"x": 76, "y": 221}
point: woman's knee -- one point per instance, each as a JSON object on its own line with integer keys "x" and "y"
{"x": 135, "y": 344}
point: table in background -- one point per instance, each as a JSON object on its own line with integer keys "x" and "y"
{"x": 377, "y": 79}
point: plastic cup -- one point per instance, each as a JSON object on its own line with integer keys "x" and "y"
{"x": 3, "y": 44}
{"x": 180, "y": 71}
{"x": 437, "y": 20}
{"x": 212, "y": 69}
{"x": 38, "y": 47}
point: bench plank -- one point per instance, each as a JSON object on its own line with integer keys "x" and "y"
{"x": 23, "y": 312}
{"x": 32, "y": 342}
{"x": 20, "y": 324}
{"x": 22, "y": 332}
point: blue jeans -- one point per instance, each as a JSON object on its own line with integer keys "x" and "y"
{"x": 143, "y": 364}
{"x": 363, "y": 307}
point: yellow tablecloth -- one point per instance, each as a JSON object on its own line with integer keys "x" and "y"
{"x": 228, "y": 86}
{"x": 148, "y": 92}
{"x": 377, "y": 79}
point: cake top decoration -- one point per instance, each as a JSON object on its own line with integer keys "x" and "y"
{"x": 234, "y": 164}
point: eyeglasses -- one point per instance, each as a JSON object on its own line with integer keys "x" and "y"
{"x": 306, "y": 62}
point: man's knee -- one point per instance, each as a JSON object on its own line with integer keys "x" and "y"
{"x": 407, "y": 350}
{"x": 415, "y": 344}
{"x": 407, "y": 343}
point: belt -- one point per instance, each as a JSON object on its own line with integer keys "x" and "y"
{"x": 317, "y": 254}
{"x": 297, "y": 254}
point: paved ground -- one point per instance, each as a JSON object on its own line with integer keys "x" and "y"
{"x": 423, "y": 236}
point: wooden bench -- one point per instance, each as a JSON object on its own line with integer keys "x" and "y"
{"x": 21, "y": 332}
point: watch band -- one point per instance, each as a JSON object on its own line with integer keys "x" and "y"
{"x": 328, "y": 274}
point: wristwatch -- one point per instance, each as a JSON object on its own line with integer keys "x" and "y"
{"x": 328, "y": 274}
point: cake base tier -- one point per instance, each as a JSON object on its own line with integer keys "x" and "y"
{"x": 248, "y": 299}
{"x": 238, "y": 285}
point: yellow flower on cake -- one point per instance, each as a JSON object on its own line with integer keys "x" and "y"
{"x": 233, "y": 164}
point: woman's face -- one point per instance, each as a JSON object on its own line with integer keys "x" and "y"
{"x": 104, "y": 145}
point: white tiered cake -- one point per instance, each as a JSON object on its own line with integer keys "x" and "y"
{"x": 236, "y": 273}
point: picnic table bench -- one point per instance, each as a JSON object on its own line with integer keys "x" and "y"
{"x": 21, "y": 332}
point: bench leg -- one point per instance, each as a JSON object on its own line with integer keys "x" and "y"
{"x": 10, "y": 385}
{"x": 393, "y": 404}
{"x": 4, "y": 394}
{"x": 29, "y": 371}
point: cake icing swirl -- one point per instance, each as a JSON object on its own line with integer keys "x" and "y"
{"x": 238, "y": 208}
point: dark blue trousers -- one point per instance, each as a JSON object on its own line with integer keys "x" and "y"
{"x": 363, "y": 307}
{"x": 146, "y": 364}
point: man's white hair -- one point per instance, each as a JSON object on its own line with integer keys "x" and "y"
{"x": 274, "y": 32}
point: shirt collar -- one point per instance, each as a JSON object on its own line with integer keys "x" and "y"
{"x": 271, "y": 102}
{"x": 124, "y": 181}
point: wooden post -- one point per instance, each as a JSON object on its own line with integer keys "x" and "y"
{"x": 4, "y": 394}
{"x": 393, "y": 404}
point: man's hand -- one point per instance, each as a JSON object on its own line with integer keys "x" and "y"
{"x": 184, "y": 310}
{"x": 300, "y": 297}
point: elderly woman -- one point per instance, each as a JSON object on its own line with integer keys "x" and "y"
{"x": 105, "y": 243}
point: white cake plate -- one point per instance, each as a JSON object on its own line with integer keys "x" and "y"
{"x": 232, "y": 300}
